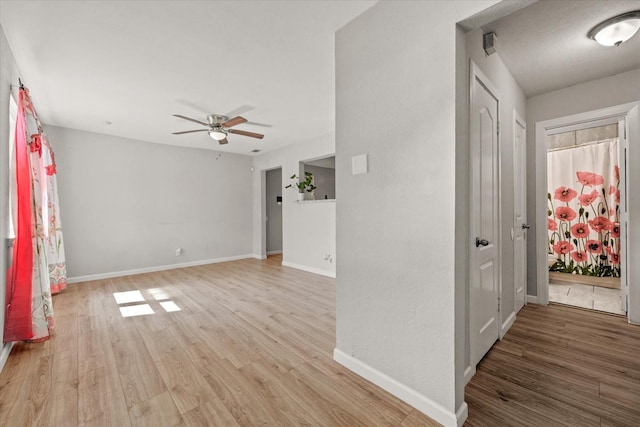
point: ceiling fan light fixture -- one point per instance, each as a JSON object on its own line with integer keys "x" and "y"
{"x": 218, "y": 127}
{"x": 217, "y": 134}
{"x": 616, "y": 30}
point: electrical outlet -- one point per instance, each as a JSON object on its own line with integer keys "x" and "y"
{"x": 178, "y": 251}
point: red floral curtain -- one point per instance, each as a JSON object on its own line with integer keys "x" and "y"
{"x": 38, "y": 266}
{"x": 583, "y": 214}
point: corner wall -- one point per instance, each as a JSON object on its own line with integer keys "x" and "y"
{"x": 397, "y": 293}
{"x": 127, "y": 205}
{"x": 308, "y": 228}
{"x": 596, "y": 94}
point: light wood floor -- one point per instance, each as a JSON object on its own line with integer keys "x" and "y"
{"x": 559, "y": 366}
{"x": 251, "y": 345}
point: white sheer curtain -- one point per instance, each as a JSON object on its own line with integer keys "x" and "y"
{"x": 583, "y": 198}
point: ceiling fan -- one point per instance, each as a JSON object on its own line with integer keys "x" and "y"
{"x": 219, "y": 127}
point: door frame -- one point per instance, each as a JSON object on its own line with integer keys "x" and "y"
{"x": 263, "y": 212}
{"x": 265, "y": 221}
{"x": 476, "y": 73}
{"x": 518, "y": 120}
{"x": 630, "y": 113}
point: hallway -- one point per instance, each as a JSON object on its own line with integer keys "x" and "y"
{"x": 559, "y": 366}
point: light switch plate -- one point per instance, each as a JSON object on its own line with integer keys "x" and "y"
{"x": 359, "y": 164}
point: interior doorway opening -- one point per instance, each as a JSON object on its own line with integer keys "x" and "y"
{"x": 273, "y": 206}
{"x": 624, "y": 117}
{"x": 583, "y": 215}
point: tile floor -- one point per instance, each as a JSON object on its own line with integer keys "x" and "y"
{"x": 586, "y": 296}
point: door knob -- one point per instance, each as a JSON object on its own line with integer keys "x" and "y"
{"x": 526, "y": 226}
{"x": 481, "y": 242}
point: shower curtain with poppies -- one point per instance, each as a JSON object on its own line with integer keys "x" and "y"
{"x": 38, "y": 263}
{"x": 583, "y": 199}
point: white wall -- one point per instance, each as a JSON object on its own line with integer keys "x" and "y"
{"x": 274, "y": 210}
{"x": 308, "y": 228}
{"x": 8, "y": 76}
{"x": 511, "y": 98}
{"x": 128, "y": 205}
{"x": 615, "y": 90}
{"x": 396, "y": 289}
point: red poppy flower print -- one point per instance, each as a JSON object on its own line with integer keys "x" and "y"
{"x": 615, "y": 230}
{"x": 579, "y": 256}
{"x": 562, "y": 247}
{"x": 593, "y": 246}
{"x": 564, "y": 213}
{"x": 614, "y": 258}
{"x": 614, "y": 190}
{"x": 565, "y": 194}
{"x": 616, "y": 169}
{"x": 590, "y": 179}
{"x": 600, "y": 223}
{"x": 587, "y": 199}
{"x": 580, "y": 230}
{"x": 551, "y": 225}
{"x": 51, "y": 169}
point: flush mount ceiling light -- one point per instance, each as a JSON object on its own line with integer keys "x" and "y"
{"x": 217, "y": 134}
{"x": 617, "y": 30}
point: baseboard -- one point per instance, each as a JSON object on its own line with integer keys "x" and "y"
{"x": 507, "y": 324}
{"x": 401, "y": 391}
{"x": 309, "y": 269}
{"x": 256, "y": 256}
{"x": 278, "y": 252}
{"x": 154, "y": 269}
{"x": 4, "y": 354}
{"x": 532, "y": 299}
{"x": 462, "y": 414}
{"x": 469, "y": 372}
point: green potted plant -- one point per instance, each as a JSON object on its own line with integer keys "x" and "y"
{"x": 305, "y": 187}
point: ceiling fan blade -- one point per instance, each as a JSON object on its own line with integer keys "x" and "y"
{"x": 239, "y": 111}
{"x": 245, "y": 133}
{"x": 190, "y": 131}
{"x": 191, "y": 120}
{"x": 264, "y": 125}
{"x": 233, "y": 122}
{"x": 223, "y": 141}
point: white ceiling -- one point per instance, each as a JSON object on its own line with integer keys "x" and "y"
{"x": 135, "y": 63}
{"x": 545, "y": 45}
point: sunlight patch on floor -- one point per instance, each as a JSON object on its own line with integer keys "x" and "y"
{"x": 127, "y": 309}
{"x": 128, "y": 297}
{"x": 169, "y": 306}
{"x": 158, "y": 293}
{"x": 136, "y": 310}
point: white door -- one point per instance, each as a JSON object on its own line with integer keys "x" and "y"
{"x": 520, "y": 225}
{"x": 485, "y": 249}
